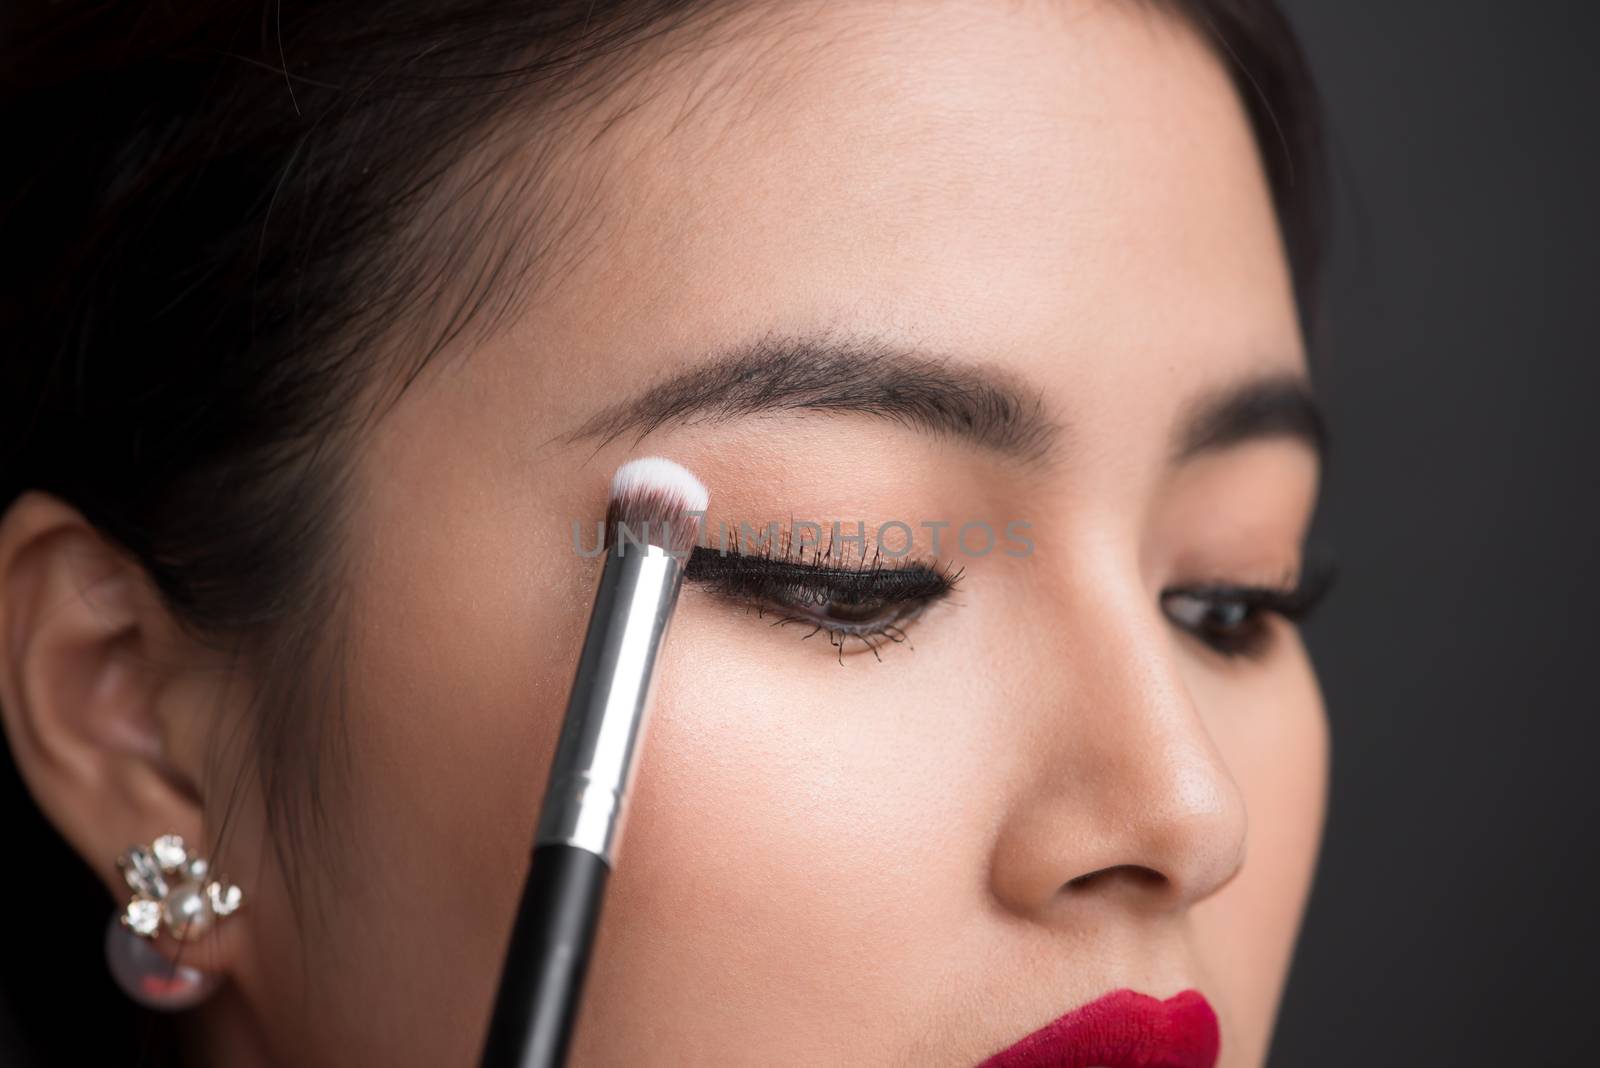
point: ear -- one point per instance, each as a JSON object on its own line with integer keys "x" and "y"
{"x": 105, "y": 700}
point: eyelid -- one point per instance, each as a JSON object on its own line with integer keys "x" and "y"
{"x": 904, "y": 576}
{"x": 1294, "y": 599}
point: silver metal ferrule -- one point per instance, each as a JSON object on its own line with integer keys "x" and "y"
{"x": 593, "y": 768}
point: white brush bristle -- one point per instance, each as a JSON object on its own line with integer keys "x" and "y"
{"x": 657, "y": 475}
{"x": 656, "y": 502}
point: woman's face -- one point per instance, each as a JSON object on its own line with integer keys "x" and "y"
{"x": 913, "y": 855}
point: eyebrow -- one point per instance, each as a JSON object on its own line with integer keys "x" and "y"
{"x": 985, "y": 407}
{"x": 832, "y": 375}
{"x": 1272, "y": 406}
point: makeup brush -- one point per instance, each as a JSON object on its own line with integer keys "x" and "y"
{"x": 653, "y": 521}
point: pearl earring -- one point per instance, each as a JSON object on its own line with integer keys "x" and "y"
{"x": 172, "y": 888}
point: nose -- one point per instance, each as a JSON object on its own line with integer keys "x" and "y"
{"x": 1123, "y": 799}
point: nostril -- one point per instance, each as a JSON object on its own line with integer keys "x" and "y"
{"x": 1129, "y": 873}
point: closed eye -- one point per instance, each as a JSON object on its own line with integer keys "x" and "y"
{"x": 872, "y": 603}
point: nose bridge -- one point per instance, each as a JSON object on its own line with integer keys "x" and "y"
{"x": 1126, "y": 794}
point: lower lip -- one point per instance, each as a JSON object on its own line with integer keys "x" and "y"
{"x": 1124, "y": 1029}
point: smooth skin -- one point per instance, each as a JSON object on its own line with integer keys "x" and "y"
{"x": 1052, "y": 792}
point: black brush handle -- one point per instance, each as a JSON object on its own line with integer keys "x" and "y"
{"x": 542, "y": 980}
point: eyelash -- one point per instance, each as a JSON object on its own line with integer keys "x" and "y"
{"x": 884, "y": 595}
{"x": 1233, "y": 620}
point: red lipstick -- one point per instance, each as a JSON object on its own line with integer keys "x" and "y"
{"x": 1124, "y": 1029}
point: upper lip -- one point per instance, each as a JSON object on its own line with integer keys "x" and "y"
{"x": 1123, "y": 1029}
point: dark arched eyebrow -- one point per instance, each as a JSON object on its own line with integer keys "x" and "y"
{"x": 1271, "y": 406}
{"x": 925, "y": 391}
{"x": 830, "y": 374}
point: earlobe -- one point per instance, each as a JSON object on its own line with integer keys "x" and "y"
{"x": 92, "y": 671}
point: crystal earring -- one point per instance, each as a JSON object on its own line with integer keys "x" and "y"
{"x": 172, "y": 888}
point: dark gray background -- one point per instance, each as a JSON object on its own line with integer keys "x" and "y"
{"x": 1453, "y": 918}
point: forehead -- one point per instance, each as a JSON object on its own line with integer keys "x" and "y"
{"x": 1071, "y": 190}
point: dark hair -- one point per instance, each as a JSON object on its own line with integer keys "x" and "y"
{"x": 217, "y": 219}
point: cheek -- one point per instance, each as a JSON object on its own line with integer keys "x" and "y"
{"x": 1273, "y": 735}
{"x": 785, "y": 834}
{"x": 461, "y": 652}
